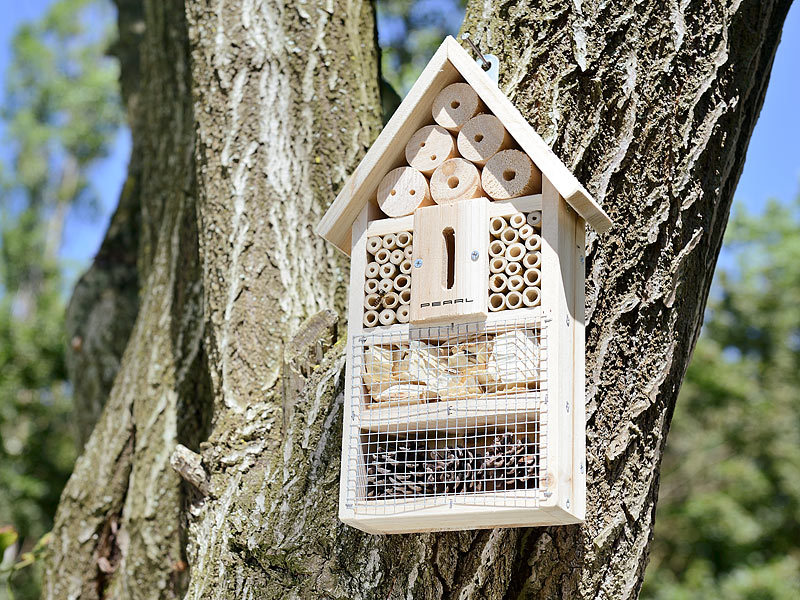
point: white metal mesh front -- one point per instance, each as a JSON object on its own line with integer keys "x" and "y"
{"x": 448, "y": 415}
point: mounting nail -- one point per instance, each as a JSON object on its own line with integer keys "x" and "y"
{"x": 475, "y": 254}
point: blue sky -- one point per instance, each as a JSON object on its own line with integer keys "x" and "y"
{"x": 772, "y": 168}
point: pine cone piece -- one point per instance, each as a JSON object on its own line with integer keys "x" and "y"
{"x": 510, "y": 463}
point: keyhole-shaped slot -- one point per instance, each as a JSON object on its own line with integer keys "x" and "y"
{"x": 450, "y": 257}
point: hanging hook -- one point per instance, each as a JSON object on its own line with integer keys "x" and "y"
{"x": 489, "y": 62}
{"x": 468, "y": 39}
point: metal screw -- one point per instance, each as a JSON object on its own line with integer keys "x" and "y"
{"x": 475, "y": 254}
{"x": 567, "y": 502}
{"x": 567, "y": 406}
{"x": 418, "y": 263}
{"x": 582, "y": 469}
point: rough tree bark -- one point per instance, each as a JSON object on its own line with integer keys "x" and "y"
{"x": 249, "y": 117}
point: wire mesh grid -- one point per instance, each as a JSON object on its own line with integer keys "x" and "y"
{"x": 448, "y": 415}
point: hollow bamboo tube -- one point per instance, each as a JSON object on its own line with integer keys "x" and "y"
{"x": 482, "y": 137}
{"x": 534, "y": 242}
{"x": 391, "y": 300}
{"x": 385, "y": 285}
{"x": 509, "y": 235}
{"x": 408, "y": 251}
{"x": 405, "y": 266}
{"x": 389, "y": 241}
{"x": 497, "y": 302}
{"x": 402, "y": 282}
{"x": 455, "y": 105}
{"x": 429, "y": 147}
{"x": 405, "y": 296}
{"x": 533, "y": 277}
{"x": 510, "y": 174}
{"x": 382, "y": 256}
{"x": 513, "y": 268}
{"x": 402, "y": 191}
{"x": 403, "y": 313}
{"x": 397, "y": 256}
{"x": 388, "y": 270}
{"x": 525, "y": 232}
{"x": 373, "y": 270}
{"x": 532, "y": 260}
{"x": 534, "y": 218}
{"x": 387, "y": 316}
{"x": 513, "y": 300}
{"x": 516, "y": 220}
{"x": 530, "y": 297}
{"x": 497, "y": 225}
{"x": 372, "y": 301}
{"x": 371, "y": 318}
{"x": 515, "y": 283}
{"x": 498, "y": 264}
{"x": 498, "y": 282}
{"x": 403, "y": 239}
{"x": 515, "y": 252}
{"x": 373, "y": 244}
{"x": 497, "y": 248}
{"x": 455, "y": 179}
{"x": 371, "y": 286}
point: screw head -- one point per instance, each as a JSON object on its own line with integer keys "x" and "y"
{"x": 475, "y": 255}
{"x": 567, "y": 502}
{"x": 418, "y": 263}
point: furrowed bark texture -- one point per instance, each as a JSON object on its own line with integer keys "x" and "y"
{"x": 255, "y": 114}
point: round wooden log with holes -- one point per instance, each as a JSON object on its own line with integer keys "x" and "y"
{"x": 455, "y": 179}
{"x": 402, "y": 191}
{"x": 510, "y": 174}
{"x": 455, "y": 105}
{"x": 481, "y": 138}
{"x": 429, "y": 147}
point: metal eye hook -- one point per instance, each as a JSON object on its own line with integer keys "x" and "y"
{"x": 489, "y": 62}
{"x": 468, "y": 39}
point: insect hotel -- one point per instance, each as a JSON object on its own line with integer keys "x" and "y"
{"x": 464, "y": 400}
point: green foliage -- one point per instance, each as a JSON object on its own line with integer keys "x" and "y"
{"x": 61, "y": 112}
{"x": 728, "y": 518}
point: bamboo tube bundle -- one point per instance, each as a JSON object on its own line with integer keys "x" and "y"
{"x": 397, "y": 256}
{"x": 391, "y": 300}
{"x": 481, "y": 138}
{"x": 532, "y": 260}
{"x": 525, "y": 232}
{"x": 509, "y": 235}
{"x": 510, "y": 174}
{"x": 402, "y": 191}
{"x": 517, "y": 220}
{"x": 513, "y": 269}
{"x": 371, "y": 318}
{"x": 408, "y": 251}
{"x": 533, "y": 277}
{"x": 403, "y": 239}
{"x": 530, "y": 297}
{"x": 389, "y": 241}
{"x": 498, "y": 282}
{"x": 387, "y": 316}
{"x": 497, "y": 248}
{"x": 513, "y": 300}
{"x": 497, "y": 225}
{"x": 403, "y": 313}
{"x": 515, "y": 252}
{"x": 402, "y": 282}
{"x": 534, "y": 218}
{"x": 388, "y": 270}
{"x": 455, "y": 105}
{"x": 515, "y": 283}
{"x": 373, "y": 270}
{"x": 405, "y": 296}
{"x": 497, "y": 302}
{"x": 372, "y": 301}
{"x": 371, "y": 286}
{"x": 455, "y": 179}
{"x": 382, "y": 256}
{"x": 385, "y": 286}
{"x": 405, "y": 266}
{"x": 498, "y": 264}
{"x": 374, "y": 244}
{"x": 534, "y": 242}
{"x": 429, "y": 147}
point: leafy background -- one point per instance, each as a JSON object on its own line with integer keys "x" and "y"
{"x": 728, "y": 521}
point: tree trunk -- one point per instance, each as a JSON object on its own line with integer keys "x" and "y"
{"x": 249, "y": 118}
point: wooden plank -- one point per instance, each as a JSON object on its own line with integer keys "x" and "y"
{"x": 505, "y": 208}
{"x": 530, "y": 141}
{"x": 435, "y": 295}
{"x": 384, "y": 226}
{"x": 388, "y": 151}
{"x": 579, "y": 375}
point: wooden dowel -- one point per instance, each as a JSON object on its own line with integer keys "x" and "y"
{"x": 530, "y": 297}
{"x": 403, "y": 313}
{"x": 532, "y": 260}
{"x": 498, "y": 264}
{"x": 498, "y": 282}
{"x": 397, "y": 256}
{"x": 388, "y": 270}
{"x": 533, "y": 243}
{"x": 513, "y": 268}
{"x": 455, "y": 179}
{"x": 525, "y": 232}
{"x": 403, "y": 239}
{"x": 509, "y": 174}
{"x": 515, "y": 252}
{"x": 497, "y": 302}
{"x": 534, "y": 218}
{"x": 371, "y": 318}
{"x": 515, "y": 283}
{"x": 372, "y": 301}
{"x": 482, "y": 137}
{"x": 385, "y": 285}
{"x": 402, "y": 191}
{"x": 373, "y": 270}
{"x": 371, "y": 286}
{"x": 402, "y": 282}
{"x": 429, "y": 147}
{"x": 391, "y": 300}
{"x": 509, "y": 235}
{"x": 373, "y": 244}
{"x": 405, "y": 296}
{"x": 513, "y": 300}
{"x": 497, "y": 225}
{"x": 382, "y": 256}
{"x": 389, "y": 241}
{"x": 533, "y": 277}
{"x": 387, "y": 316}
{"x": 497, "y": 248}
{"x": 405, "y": 266}
{"x": 516, "y": 220}
{"x": 455, "y": 105}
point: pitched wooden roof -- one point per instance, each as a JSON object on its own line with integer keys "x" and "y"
{"x": 449, "y": 64}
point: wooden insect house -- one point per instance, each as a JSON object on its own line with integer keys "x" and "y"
{"x": 464, "y": 400}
